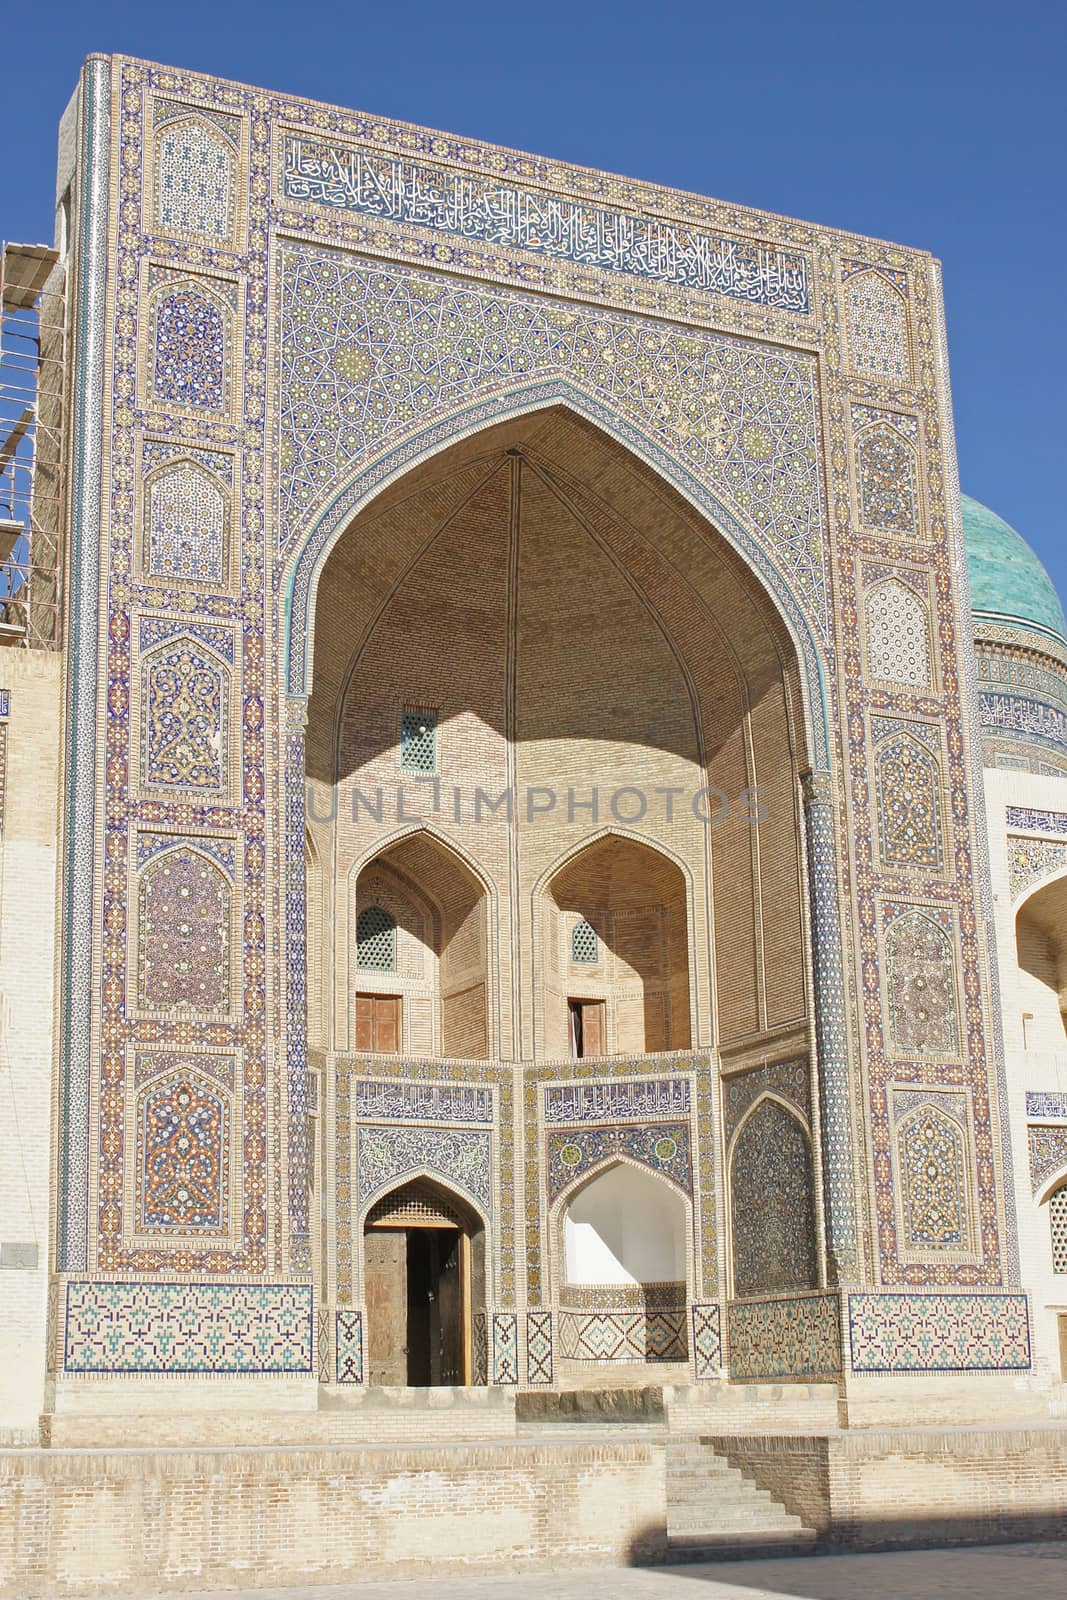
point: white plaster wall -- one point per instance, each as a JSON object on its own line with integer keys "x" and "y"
{"x": 625, "y": 1227}
{"x": 27, "y": 956}
{"x": 1035, "y": 1060}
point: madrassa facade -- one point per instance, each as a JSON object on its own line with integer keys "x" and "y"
{"x": 551, "y": 882}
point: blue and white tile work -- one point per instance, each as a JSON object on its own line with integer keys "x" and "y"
{"x": 348, "y": 1346}
{"x": 306, "y": 303}
{"x": 188, "y": 1329}
{"x": 938, "y": 1333}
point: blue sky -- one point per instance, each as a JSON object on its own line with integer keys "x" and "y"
{"x": 938, "y": 123}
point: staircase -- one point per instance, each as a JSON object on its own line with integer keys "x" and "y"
{"x": 712, "y": 1511}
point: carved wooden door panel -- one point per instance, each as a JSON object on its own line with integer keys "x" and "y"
{"x": 386, "y": 1284}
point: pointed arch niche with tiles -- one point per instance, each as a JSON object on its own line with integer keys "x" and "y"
{"x": 774, "y": 1246}
{"x": 196, "y": 164}
{"x": 886, "y": 445}
{"x": 877, "y": 324}
{"x": 189, "y": 352}
{"x": 184, "y": 689}
{"x": 908, "y": 800}
{"x": 186, "y": 516}
{"x": 896, "y": 625}
{"x": 933, "y": 1178}
{"x": 921, "y": 982}
{"x": 185, "y": 948}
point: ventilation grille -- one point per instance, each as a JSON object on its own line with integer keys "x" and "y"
{"x": 585, "y": 946}
{"x": 418, "y": 741}
{"x": 375, "y": 940}
{"x": 417, "y": 1203}
{"x": 1057, "y": 1216}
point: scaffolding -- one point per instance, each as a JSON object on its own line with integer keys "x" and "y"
{"x": 32, "y": 353}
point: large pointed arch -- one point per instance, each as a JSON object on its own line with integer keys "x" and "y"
{"x": 300, "y": 579}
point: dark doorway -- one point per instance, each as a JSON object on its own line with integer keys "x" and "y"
{"x": 418, "y": 1284}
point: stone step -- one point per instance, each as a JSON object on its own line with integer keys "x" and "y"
{"x": 712, "y": 1507}
{"x": 712, "y": 1546}
{"x": 689, "y": 1517}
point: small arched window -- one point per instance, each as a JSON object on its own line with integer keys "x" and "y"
{"x": 585, "y": 946}
{"x": 375, "y": 940}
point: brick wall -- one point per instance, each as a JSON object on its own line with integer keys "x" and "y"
{"x": 27, "y": 962}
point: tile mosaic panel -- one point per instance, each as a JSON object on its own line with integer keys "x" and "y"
{"x": 480, "y": 1348}
{"x": 908, "y": 786}
{"x": 463, "y": 1158}
{"x": 916, "y": 1333}
{"x": 617, "y": 1100}
{"x": 876, "y": 323}
{"x": 1046, "y": 1103}
{"x": 1048, "y": 1154}
{"x": 707, "y": 1341}
{"x": 933, "y": 1171}
{"x": 183, "y": 934}
{"x": 184, "y": 1158}
{"x": 1032, "y": 821}
{"x": 368, "y": 348}
{"x": 185, "y": 719}
{"x": 393, "y": 1101}
{"x": 504, "y": 1348}
{"x": 897, "y": 626}
{"x": 186, "y": 526}
{"x": 920, "y": 981}
{"x": 796, "y": 1337}
{"x": 398, "y": 190}
{"x": 772, "y": 1203}
{"x": 195, "y": 180}
{"x": 539, "y": 1363}
{"x": 623, "y": 1335}
{"x": 201, "y": 1329}
{"x": 192, "y": 336}
{"x": 1032, "y": 860}
{"x": 663, "y": 1148}
{"x": 887, "y": 470}
{"x": 789, "y": 1080}
{"x": 348, "y": 1336}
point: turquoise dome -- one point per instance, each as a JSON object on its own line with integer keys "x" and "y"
{"x": 1007, "y": 580}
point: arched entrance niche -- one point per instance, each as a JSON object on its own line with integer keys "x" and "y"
{"x": 1041, "y": 950}
{"x": 424, "y": 1271}
{"x": 773, "y": 1231}
{"x": 621, "y": 1243}
{"x": 615, "y": 952}
{"x": 527, "y": 636}
{"x": 418, "y": 969}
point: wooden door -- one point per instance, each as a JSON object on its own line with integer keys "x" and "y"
{"x": 386, "y": 1283}
{"x": 451, "y": 1309}
{"x": 594, "y": 1028}
{"x": 378, "y": 1023}
{"x": 589, "y": 1030}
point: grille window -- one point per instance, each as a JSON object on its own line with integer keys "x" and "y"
{"x": 375, "y": 940}
{"x": 1057, "y": 1217}
{"x": 585, "y": 946}
{"x": 418, "y": 741}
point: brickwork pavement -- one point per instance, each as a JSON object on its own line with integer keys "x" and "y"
{"x": 988, "y": 1572}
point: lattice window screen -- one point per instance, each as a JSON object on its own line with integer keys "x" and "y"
{"x": 375, "y": 940}
{"x": 1057, "y": 1217}
{"x": 585, "y": 946}
{"x": 418, "y": 741}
